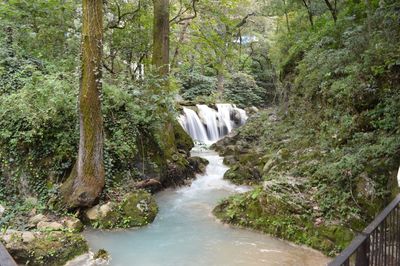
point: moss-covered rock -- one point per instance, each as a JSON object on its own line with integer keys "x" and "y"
{"x": 44, "y": 248}
{"x": 241, "y": 174}
{"x": 182, "y": 139}
{"x": 282, "y": 218}
{"x": 135, "y": 209}
{"x": 139, "y": 208}
{"x": 101, "y": 254}
{"x": 198, "y": 164}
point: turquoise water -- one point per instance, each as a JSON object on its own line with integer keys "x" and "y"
{"x": 186, "y": 233}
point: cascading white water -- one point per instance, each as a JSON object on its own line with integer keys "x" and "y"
{"x": 210, "y": 118}
{"x": 209, "y": 125}
{"x": 192, "y": 124}
{"x": 224, "y": 111}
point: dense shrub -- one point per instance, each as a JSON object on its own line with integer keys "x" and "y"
{"x": 196, "y": 85}
{"x": 243, "y": 90}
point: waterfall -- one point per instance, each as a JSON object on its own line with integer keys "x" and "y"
{"x": 192, "y": 124}
{"x": 208, "y": 125}
{"x": 224, "y": 111}
{"x": 210, "y": 118}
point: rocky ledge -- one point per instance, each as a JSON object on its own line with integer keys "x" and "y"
{"x": 43, "y": 247}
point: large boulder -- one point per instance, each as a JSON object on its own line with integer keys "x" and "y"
{"x": 139, "y": 208}
{"x": 135, "y": 209}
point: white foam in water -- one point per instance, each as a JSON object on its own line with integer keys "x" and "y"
{"x": 213, "y": 178}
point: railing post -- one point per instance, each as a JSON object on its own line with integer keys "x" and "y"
{"x": 5, "y": 257}
{"x": 362, "y": 258}
{"x": 384, "y": 246}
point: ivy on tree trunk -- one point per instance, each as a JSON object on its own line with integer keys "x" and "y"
{"x": 86, "y": 181}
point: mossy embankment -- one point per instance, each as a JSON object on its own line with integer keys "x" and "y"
{"x": 306, "y": 191}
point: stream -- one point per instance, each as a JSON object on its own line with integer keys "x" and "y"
{"x": 186, "y": 233}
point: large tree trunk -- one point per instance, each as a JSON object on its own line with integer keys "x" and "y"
{"x": 160, "y": 58}
{"x": 160, "y": 62}
{"x": 86, "y": 181}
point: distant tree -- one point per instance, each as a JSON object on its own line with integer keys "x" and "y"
{"x": 86, "y": 181}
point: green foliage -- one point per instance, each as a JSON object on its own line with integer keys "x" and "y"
{"x": 39, "y": 131}
{"x": 196, "y": 85}
{"x": 243, "y": 90}
{"x": 42, "y": 29}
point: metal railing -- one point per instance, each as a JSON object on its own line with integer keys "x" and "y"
{"x": 378, "y": 244}
{"x": 5, "y": 257}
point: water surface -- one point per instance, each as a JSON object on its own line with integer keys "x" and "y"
{"x": 186, "y": 233}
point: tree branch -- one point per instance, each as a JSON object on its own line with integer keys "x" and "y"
{"x": 244, "y": 20}
{"x": 116, "y": 24}
{"x": 177, "y": 19}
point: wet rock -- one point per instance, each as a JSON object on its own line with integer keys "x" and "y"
{"x": 34, "y": 220}
{"x": 198, "y": 164}
{"x": 140, "y": 207}
{"x": 87, "y": 259}
{"x": 73, "y": 223}
{"x": 43, "y": 225}
{"x": 236, "y": 117}
{"x": 101, "y": 254}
